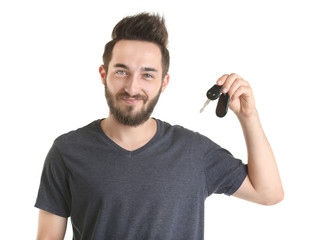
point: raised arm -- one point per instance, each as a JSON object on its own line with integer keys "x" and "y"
{"x": 50, "y": 226}
{"x": 263, "y": 184}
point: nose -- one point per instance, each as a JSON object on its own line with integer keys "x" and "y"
{"x": 132, "y": 85}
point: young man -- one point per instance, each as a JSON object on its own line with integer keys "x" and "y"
{"x": 130, "y": 176}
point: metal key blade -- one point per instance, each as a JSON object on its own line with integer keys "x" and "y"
{"x": 205, "y": 104}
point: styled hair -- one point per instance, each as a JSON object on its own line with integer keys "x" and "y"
{"x": 143, "y": 27}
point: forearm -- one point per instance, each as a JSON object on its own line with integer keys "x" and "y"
{"x": 262, "y": 168}
{"x": 263, "y": 184}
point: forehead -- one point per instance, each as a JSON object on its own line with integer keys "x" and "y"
{"x": 135, "y": 53}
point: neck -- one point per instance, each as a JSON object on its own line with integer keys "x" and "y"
{"x": 128, "y": 137}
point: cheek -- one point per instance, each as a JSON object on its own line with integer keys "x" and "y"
{"x": 151, "y": 89}
{"x": 114, "y": 85}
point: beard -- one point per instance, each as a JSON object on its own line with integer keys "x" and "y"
{"x": 127, "y": 116}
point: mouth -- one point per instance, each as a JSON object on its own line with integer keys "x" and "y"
{"x": 126, "y": 98}
{"x": 130, "y": 101}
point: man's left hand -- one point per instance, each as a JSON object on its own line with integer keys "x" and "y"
{"x": 242, "y": 101}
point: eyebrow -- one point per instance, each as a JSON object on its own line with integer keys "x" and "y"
{"x": 149, "y": 69}
{"x": 120, "y": 65}
{"x": 143, "y": 69}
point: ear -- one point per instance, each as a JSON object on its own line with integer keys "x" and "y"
{"x": 102, "y": 73}
{"x": 165, "y": 82}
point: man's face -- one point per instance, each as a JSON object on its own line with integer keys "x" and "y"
{"x": 134, "y": 81}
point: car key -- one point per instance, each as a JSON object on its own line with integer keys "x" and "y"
{"x": 212, "y": 94}
{"x": 223, "y": 105}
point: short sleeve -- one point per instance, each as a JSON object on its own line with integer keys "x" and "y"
{"x": 54, "y": 193}
{"x": 224, "y": 173}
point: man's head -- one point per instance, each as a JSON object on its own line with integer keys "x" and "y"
{"x": 143, "y": 27}
{"x": 136, "y": 63}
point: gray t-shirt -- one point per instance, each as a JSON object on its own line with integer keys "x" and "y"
{"x": 155, "y": 192}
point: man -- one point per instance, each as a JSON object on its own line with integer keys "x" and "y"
{"x": 130, "y": 176}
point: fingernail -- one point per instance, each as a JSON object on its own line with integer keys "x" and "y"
{"x": 224, "y": 90}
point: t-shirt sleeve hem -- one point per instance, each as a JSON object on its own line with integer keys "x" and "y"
{"x": 52, "y": 210}
{"x": 237, "y": 184}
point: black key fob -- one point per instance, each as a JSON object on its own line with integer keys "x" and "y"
{"x": 214, "y": 92}
{"x": 223, "y": 105}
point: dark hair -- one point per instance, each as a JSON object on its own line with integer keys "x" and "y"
{"x": 143, "y": 27}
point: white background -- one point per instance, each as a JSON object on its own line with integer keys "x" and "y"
{"x": 50, "y": 52}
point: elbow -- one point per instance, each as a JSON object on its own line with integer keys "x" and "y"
{"x": 273, "y": 199}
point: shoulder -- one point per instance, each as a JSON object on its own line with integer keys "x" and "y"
{"x": 186, "y": 136}
{"x": 178, "y": 130}
{"x": 78, "y": 136}
{"x": 167, "y": 128}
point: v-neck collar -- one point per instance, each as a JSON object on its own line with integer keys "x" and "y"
{"x": 123, "y": 150}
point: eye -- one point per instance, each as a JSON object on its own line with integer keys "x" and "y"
{"x": 121, "y": 72}
{"x": 148, "y": 76}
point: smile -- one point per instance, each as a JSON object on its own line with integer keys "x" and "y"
{"x": 131, "y": 100}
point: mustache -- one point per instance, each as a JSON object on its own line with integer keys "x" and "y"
{"x": 125, "y": 95}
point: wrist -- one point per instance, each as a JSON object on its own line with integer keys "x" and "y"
{"x": 249, "y": 118}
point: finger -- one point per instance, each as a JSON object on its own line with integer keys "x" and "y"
{"x": 222, "y": 79}
{"x": 238, "y": 82}
{"x": 229, "y": 81}
{"x": 242, "y": 91}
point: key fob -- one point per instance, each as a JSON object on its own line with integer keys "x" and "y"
{"x": 222, "y": 105}
{"x": 214, "y": 92}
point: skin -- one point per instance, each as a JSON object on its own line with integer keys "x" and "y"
{"x": 136, "y": 68}
{"x": 263, "y": 184}
{"x": 50, "y": 226}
